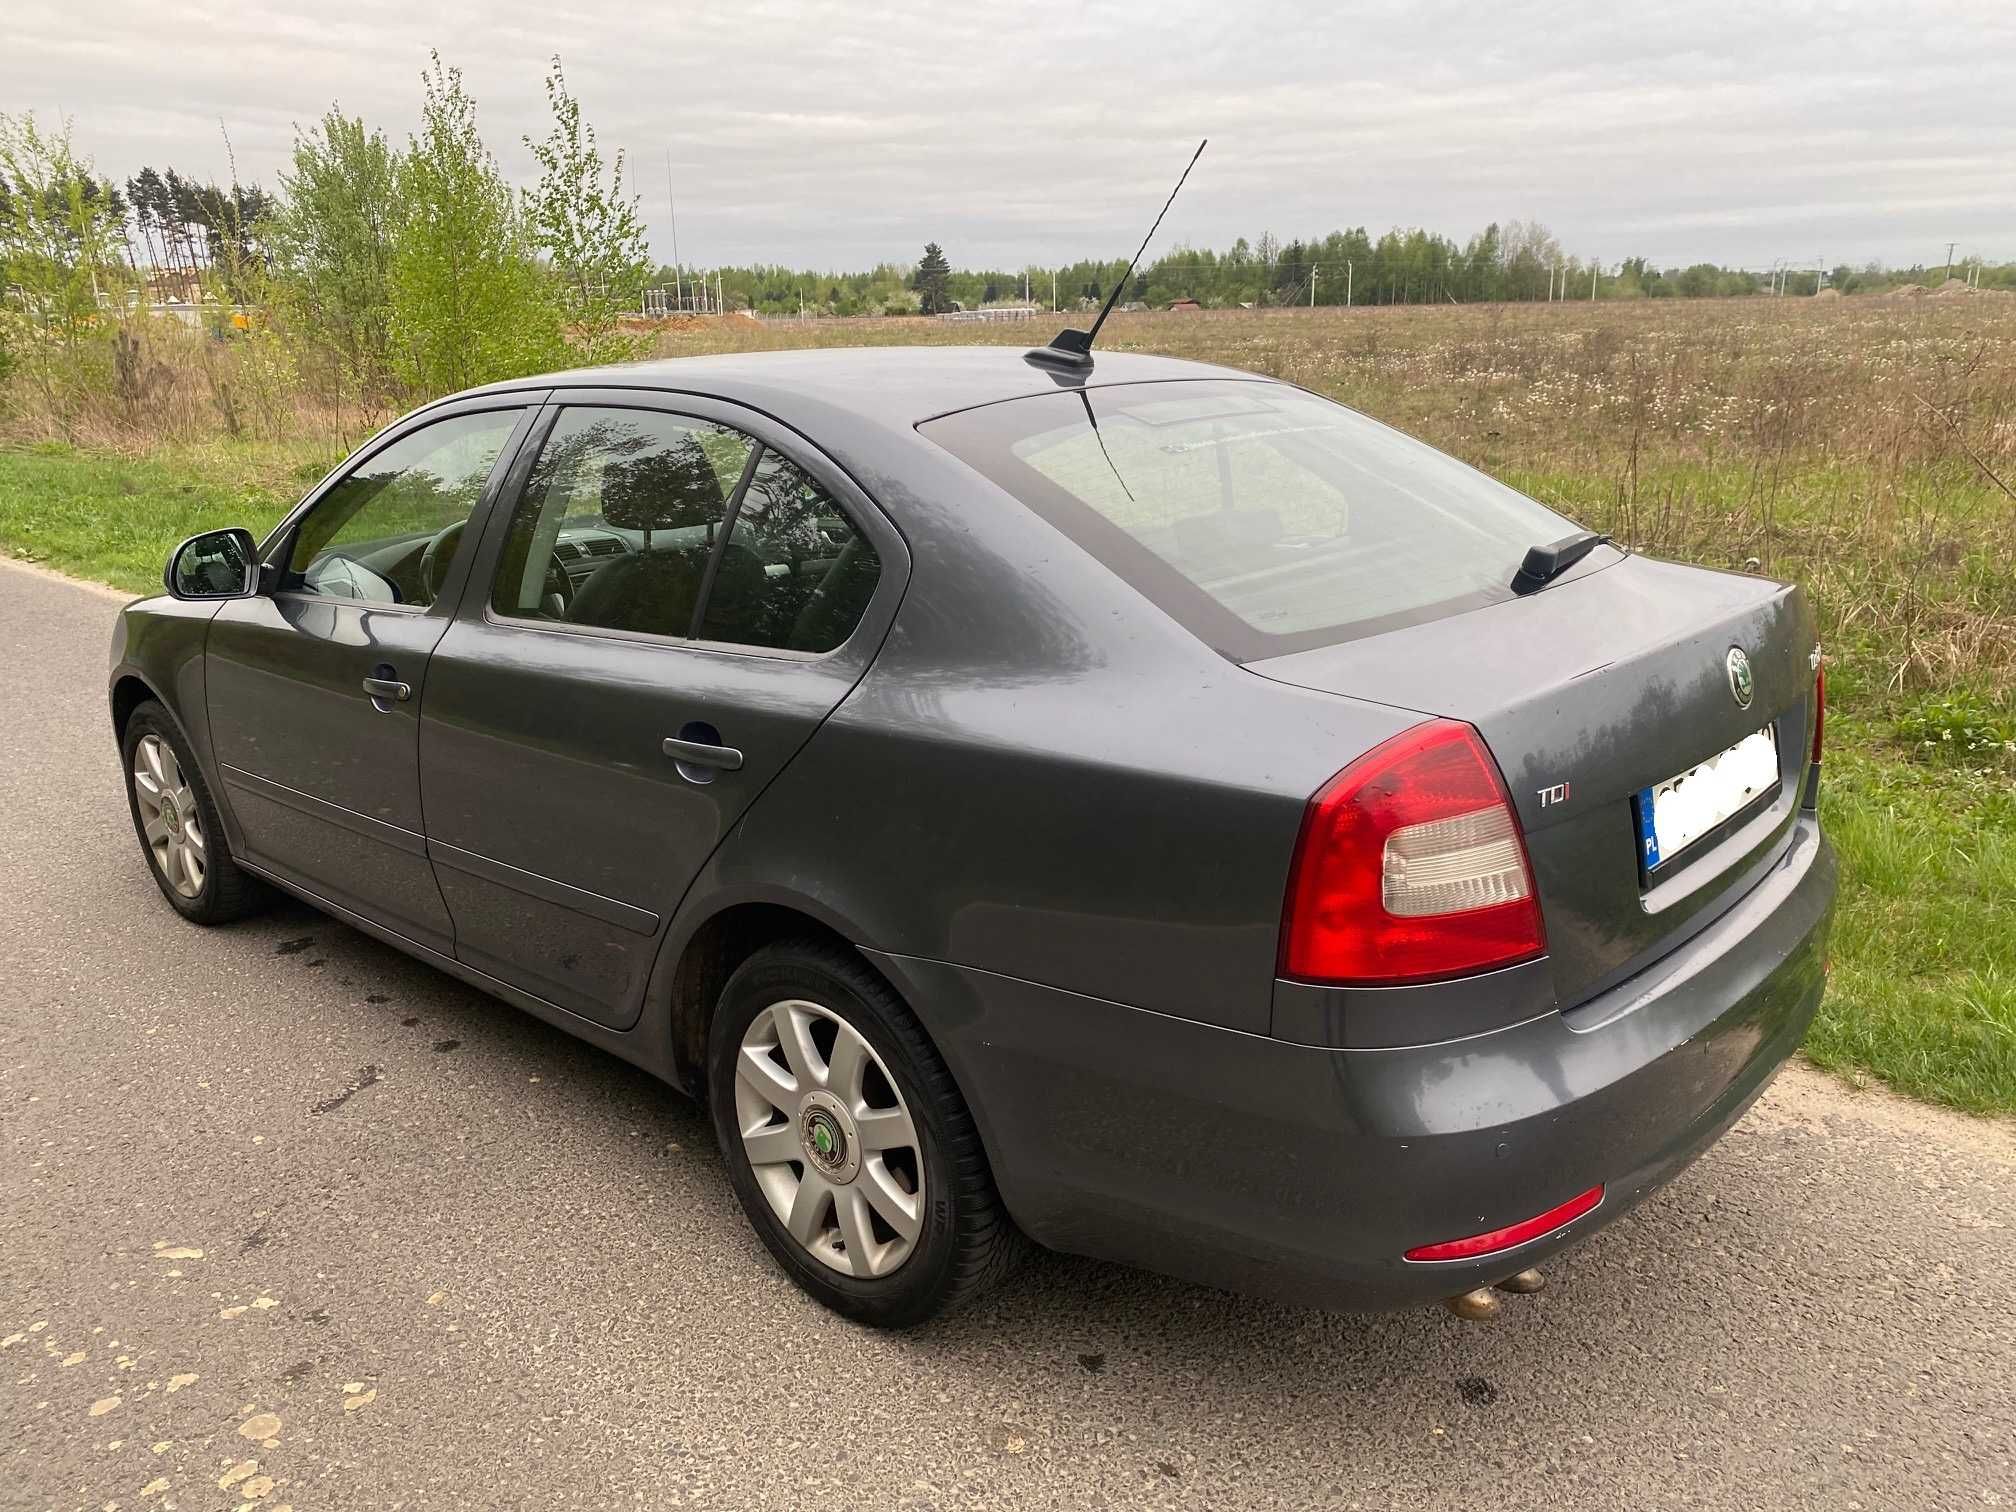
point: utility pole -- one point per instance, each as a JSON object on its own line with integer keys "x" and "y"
{"x": 1594, "y": 269}
{"x": 1348, "y": 271}
{"x": 1949, "y": 260}
{"x": 672, "y": 209}
{"x": 1313, "y": 272}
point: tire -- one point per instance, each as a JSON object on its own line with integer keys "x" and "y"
{"x": 154, "y": 744}
{"x": 963, "y": 1240}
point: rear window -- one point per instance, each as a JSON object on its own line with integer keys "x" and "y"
{"x": 1263, "y": 518}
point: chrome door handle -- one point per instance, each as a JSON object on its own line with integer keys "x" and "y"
{"x": 696, "y": 753}
{"x": 386, "y": 687}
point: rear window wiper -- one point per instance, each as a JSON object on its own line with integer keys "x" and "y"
{"x": 1545, "y": 563}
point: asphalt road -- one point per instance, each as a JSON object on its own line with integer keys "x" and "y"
{"x": 277, "y": 1194}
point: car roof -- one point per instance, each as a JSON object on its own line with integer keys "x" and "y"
{"x": 893, "y": 386}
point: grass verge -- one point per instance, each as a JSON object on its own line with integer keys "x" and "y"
{"x": 114, "y": 519}
{"x": 1923, "y": 992}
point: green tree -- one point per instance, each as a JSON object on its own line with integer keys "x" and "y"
{"x": 62, "y": 238}
{"x": 589, "y": 229}
{"x": 470, "y": 304}
{"x": 333, "y": 239}
{"x": 932, "y": 273}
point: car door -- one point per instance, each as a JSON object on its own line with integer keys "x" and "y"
{"x": 314, "y": 686}
{"x": 679, "y": 594}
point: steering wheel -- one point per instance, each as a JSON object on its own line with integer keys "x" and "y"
{"x": 557, "y": 585}
{"x": 435, "y": 559}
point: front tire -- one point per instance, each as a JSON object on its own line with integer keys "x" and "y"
{"x": 180, "y": 832}
{"x": 847, "y": 1143}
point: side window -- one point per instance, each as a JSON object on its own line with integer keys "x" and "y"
{"x": 618, "y": 519}
{"x": 795, "y": 573}
{"x": 386, "y": 533}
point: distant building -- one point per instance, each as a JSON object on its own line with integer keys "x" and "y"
{"x": 1190, "y": 305}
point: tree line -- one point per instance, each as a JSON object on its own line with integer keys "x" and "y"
{"x": 1521, "y": 260}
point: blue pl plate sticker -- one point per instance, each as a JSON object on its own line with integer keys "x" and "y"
{"x": 1648, "y": 836}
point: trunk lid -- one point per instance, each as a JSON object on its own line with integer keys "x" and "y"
{"x": 1607, "y": 682}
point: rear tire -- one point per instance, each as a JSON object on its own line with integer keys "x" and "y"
{"x": 181, "y": 834}
{"x": 847, "y": 1143}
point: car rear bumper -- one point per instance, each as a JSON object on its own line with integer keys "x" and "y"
{"x": 1306, "y": 1173}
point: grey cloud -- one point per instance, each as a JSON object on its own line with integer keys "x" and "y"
{"x": 838, "y": 134}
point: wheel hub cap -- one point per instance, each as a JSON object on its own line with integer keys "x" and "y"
{"x": 170, "y": 826}
{"x": 827, "y": 1134}
{"x": 829, "y": 1139}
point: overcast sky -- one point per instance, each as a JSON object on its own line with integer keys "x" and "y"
{"x": 835, "y": 135}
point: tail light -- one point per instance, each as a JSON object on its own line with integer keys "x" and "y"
{"x": 1819, "y": 708}
{"x": 1411, "y": 867}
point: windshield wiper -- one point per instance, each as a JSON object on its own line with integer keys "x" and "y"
{"x": 1545, "y": 563}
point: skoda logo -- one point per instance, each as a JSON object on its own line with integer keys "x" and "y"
{"x": 1741, "y": 685}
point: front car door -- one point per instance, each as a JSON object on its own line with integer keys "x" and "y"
{"x": 678, "y": 596}
{"x": 314, "y": 686}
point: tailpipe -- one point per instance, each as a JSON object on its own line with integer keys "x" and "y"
{"x": 1479, "y": 1305}
{"x": 1483, "y": 1304}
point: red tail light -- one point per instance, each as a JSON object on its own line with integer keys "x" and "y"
{"x": 1411, "y": 867}
{"x": 1819, "y": 708}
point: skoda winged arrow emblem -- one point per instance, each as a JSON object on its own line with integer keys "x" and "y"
{"x": 1742, "y": 687}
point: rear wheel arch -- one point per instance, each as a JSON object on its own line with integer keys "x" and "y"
{"x": 709, "y": 957}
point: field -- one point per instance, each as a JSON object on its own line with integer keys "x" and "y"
{"x": 1864, "y": 446}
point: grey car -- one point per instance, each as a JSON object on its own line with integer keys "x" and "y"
{"x": 1148, "y": 809}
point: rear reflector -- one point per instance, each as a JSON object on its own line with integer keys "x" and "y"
{"x": 1411, "y": 867}
{"x": 1514, "y": 1235}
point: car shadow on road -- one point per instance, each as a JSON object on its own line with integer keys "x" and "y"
{"x": 1637, "y": 1299}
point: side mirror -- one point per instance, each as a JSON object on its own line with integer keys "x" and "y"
{"x": 218, "y": 564}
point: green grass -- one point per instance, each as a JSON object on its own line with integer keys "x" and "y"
{"x": 1919, "y": 797}
{"x": 114, "y": 519}
{"x": 1923, "y": 991}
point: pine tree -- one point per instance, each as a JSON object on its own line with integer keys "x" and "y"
{"x": 930, "y": 280}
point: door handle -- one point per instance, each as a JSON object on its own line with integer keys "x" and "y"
{"x": 698, "y": 753}
{"x": 388, "y": 688}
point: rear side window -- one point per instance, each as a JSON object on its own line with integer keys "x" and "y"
{"x": 668, "y": 525}
{"x": 795, "y": 574}
{"x": 1263, "y": 518}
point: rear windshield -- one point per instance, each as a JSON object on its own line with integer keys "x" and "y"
{"x": 1263, "y": 518}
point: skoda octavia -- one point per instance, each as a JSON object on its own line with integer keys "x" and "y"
{"x": 1148, "y": 809}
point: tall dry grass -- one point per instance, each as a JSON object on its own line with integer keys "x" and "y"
{"x": 1864, "y": 446}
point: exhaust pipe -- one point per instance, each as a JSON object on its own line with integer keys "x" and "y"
{"x": 1482, "y": 1304}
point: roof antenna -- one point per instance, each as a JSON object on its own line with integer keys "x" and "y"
{"x": 1072, "y": 350}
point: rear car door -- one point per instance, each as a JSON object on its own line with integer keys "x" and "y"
{"x": 677, "y": 596}
{"x": 314, "y": 687}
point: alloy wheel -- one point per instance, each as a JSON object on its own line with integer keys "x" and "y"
{"x": 169, "y": 817}
{"x": 829, "y": 1138}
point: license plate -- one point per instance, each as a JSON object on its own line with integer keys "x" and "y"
{"x": 1674, "y": 814}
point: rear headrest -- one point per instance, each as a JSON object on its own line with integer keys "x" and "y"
{"x": 664, "y": 489}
